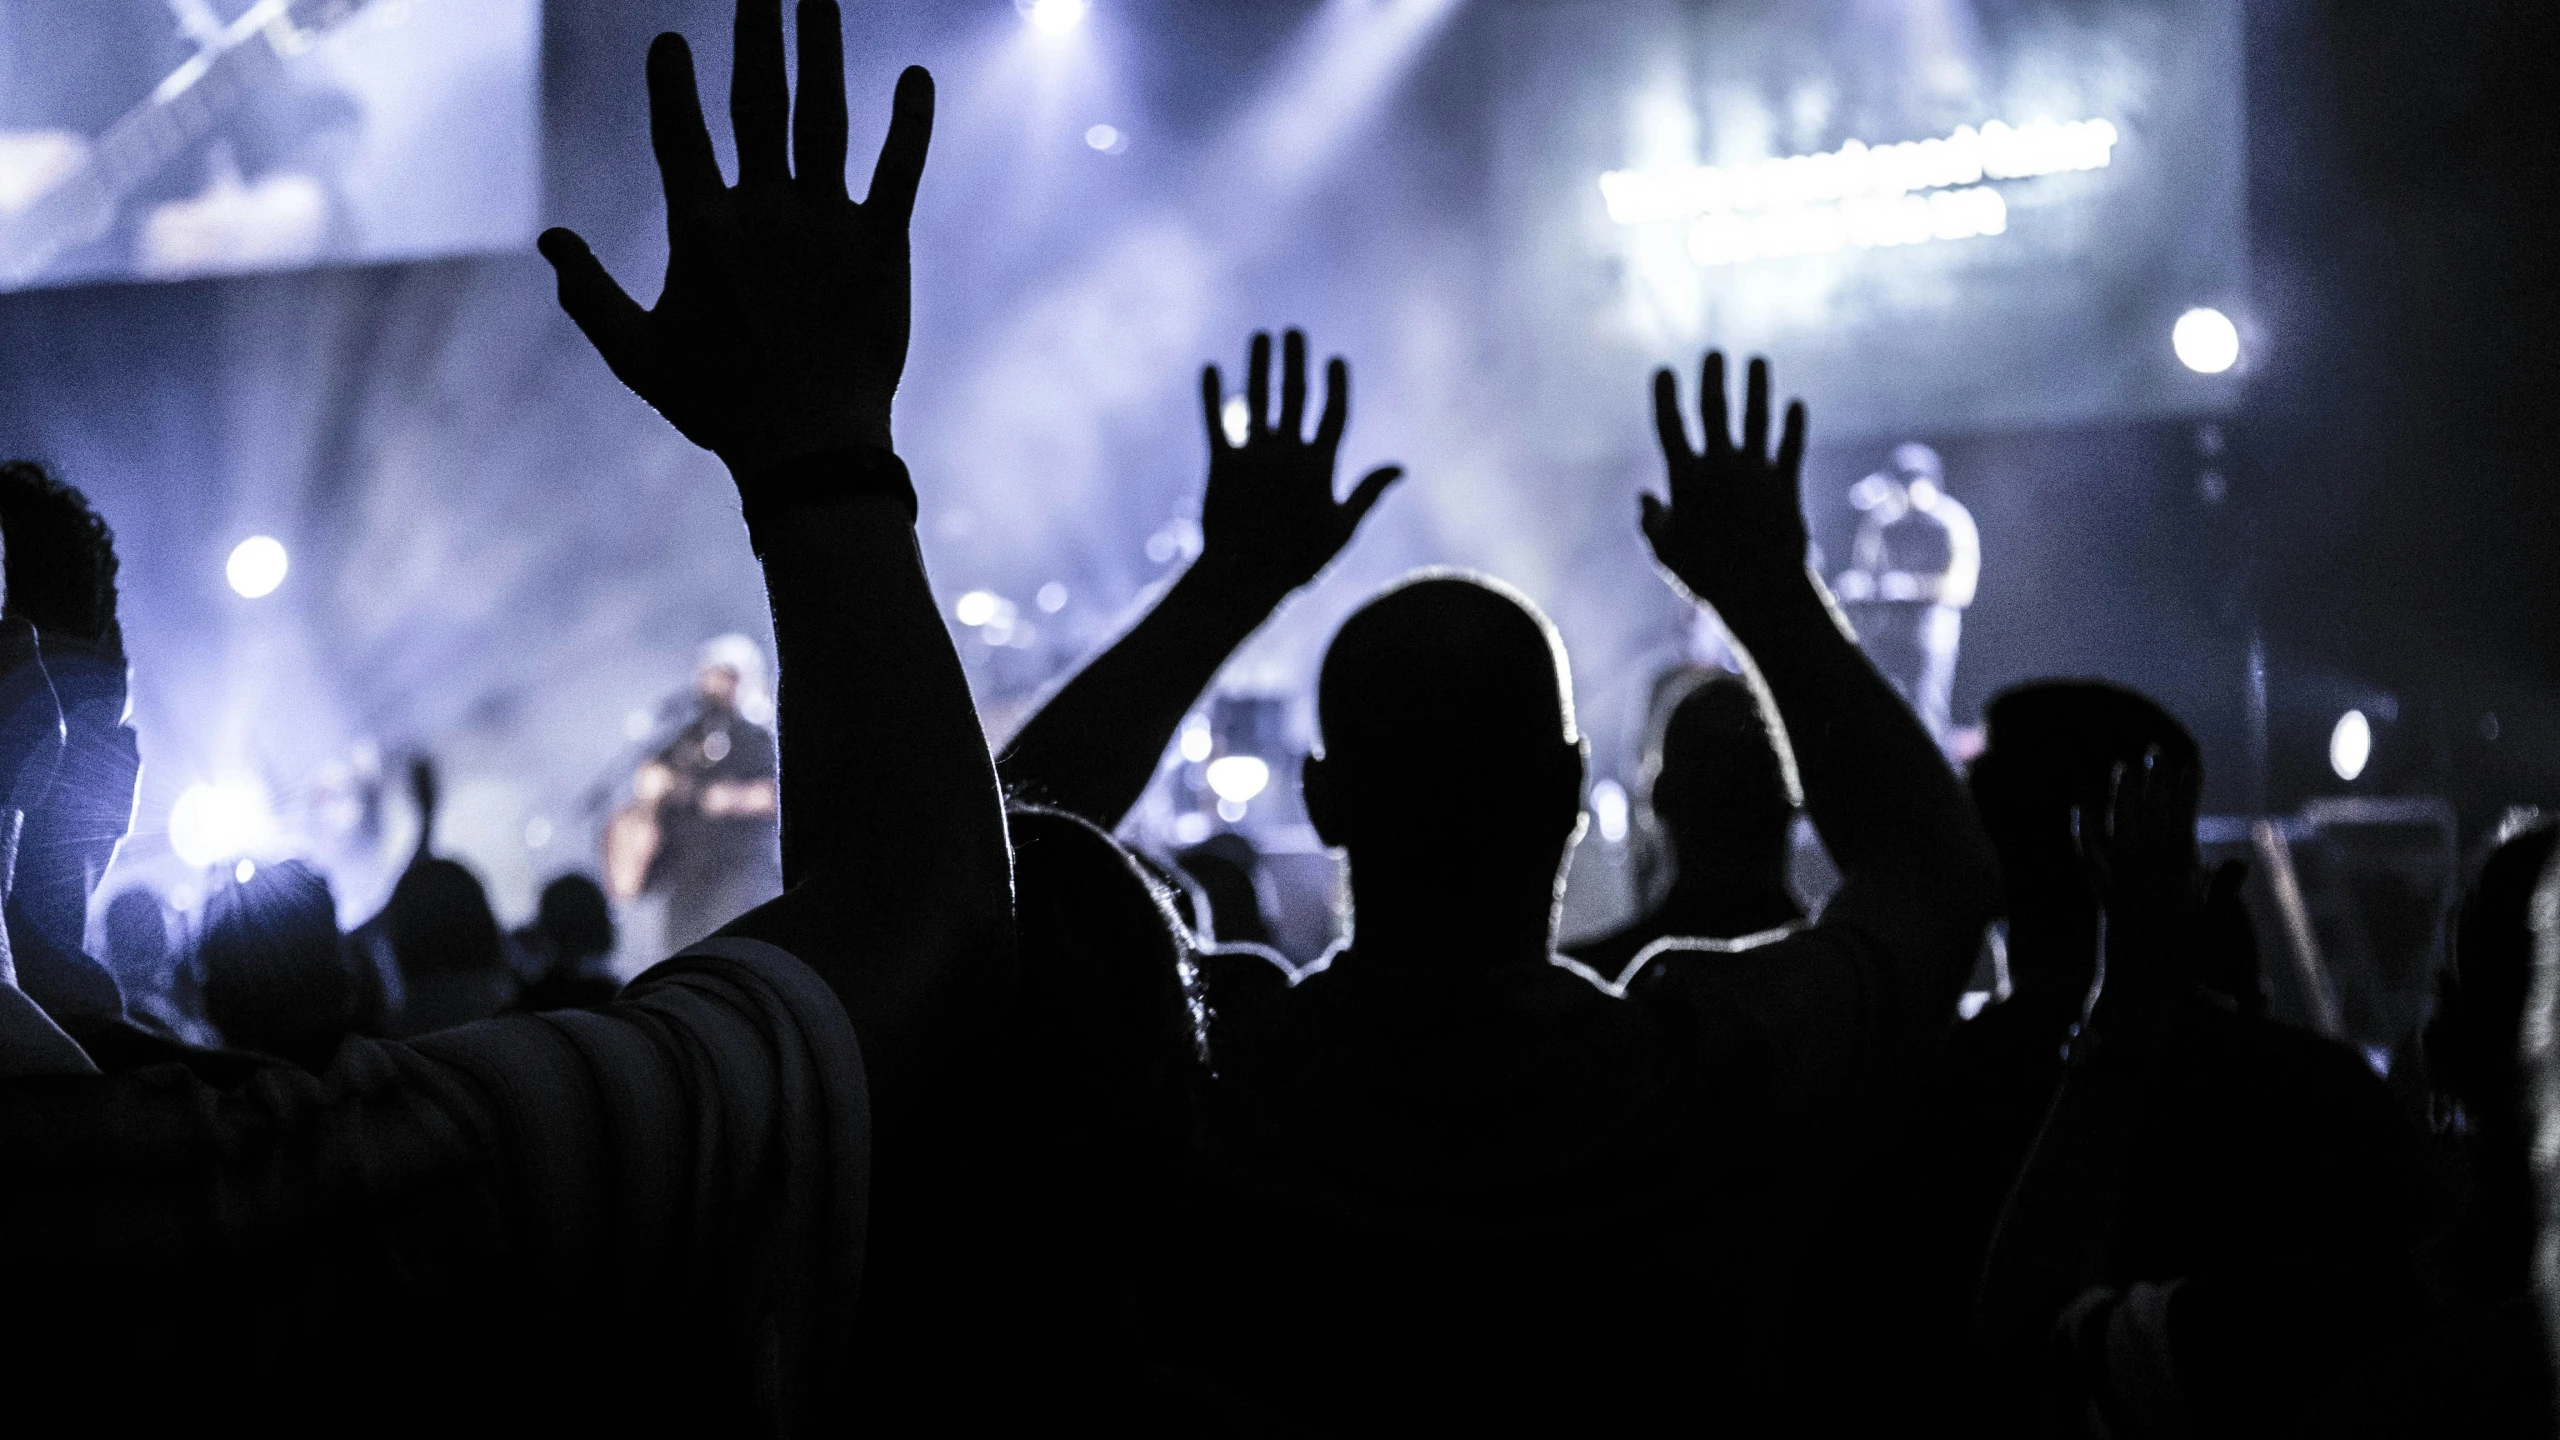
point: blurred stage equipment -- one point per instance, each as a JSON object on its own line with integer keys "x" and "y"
{"x": 1912, "y": 571}
{"x": 2349, "y": 896}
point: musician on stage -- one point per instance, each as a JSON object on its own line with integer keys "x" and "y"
{"x": 701, "y": 827}
{"x": 1912, "y": 572}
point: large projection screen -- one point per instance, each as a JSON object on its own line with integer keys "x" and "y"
{"x": 163, "y": 139}
{"x": 1937, "y": 215}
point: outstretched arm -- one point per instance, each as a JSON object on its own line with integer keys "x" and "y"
{"x": 1269, "y": 525}
{"x": 1915, "y": 866}
{"x": 777, "y": 344}
{"x": 2059, "y": 1225}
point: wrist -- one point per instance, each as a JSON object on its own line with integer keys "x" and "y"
{"x": 770, "y": 492}
{"x": 1760, "y": 603}
{"x": 1235, "y": 589}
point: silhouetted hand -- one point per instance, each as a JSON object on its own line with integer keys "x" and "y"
{"x": 1735, "y": 525}
{"x": 782, "y": 328}
{"x": 1270, "y": 522}
{"x": 2139, "y": 847}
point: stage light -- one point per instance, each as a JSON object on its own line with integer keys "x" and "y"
{"x": 1609, "y": 809}
{"x": 1197, "y": 742}
{"x": 256, "y": 566}
{"x": 1237, "y": 779}
{"x": 1107, "y": 139}
{"x": 2350, "y": 744}
{"x": 1051, "y": 599}
{"x": 1236, "y": 418}
{"x": 1859, "y": 171}
{"x": 212, "y": 823}
{"x": 1190, "y": 828}
{"x": 2206, "y": 341}
{"x": 1053, "y": 17}
{"x": 244, "y": 872}
{"x": 537, "y": 833}
{"x": 978, "y": 607}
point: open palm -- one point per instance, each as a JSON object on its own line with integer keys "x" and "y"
{"x": 1270, "y": 521}
{"x": 1734, "y": 526}
{"x": 782, "y": 328}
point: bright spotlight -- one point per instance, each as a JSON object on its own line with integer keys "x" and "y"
{"x": 2206, "y": 341}
{"x": 1053, "y": 17}
{"x": 244, "y": 872}
{"x": 2350, "y": 744}
{"x": 214, "y": 823}
{"x": 1236, "y": 418}
{"x": 1197, "y": 742}
{"x": 1609, "y": 808}
{"x": 978, "y": 607}
{"x": 1238, "y": 778}
{"x": 256, "y": 567}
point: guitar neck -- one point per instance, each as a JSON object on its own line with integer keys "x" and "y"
{"x": 183, "y": 109}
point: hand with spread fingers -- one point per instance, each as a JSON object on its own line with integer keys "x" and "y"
{"x": 1734, "y": 528}
{"x": 1269, "y": 522}
{"x": 782, "y": 328}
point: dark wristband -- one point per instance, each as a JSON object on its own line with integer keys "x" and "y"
{"x": 824, "y": 478}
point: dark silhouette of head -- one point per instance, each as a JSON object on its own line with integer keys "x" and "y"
{"x": 138, "y": 940}
{"x": 61, "y": 578}
{"x": 1451, "y": 772}
{"x": 2473, "y": 1040}
{"x": 1717, "y": 791}
{"x": 2050, "y": 748}
{"x": 1225, "y": 867}
{"x": 575, "y": 921}
{"x": 440, "y": 920}
{"x": 1114, "y": 1028}
{"x": 275, "y": 976}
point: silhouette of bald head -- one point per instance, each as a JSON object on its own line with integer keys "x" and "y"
{"x": 1717, "y": 788}
{"x": 2048, "y": 746}
{"x": 1446, "y": 711}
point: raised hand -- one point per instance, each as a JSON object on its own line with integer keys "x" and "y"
{"x": 1734, "y": 527}
{"x": 2138, "y": 846}
{"x": 1270, "y": 522}
{"x": 782, "y": 328}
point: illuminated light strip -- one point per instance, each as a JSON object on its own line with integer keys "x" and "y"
{"x": 1997, "y": 151}
{"x": 1867, "y": 223}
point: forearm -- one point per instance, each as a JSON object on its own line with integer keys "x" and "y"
{"x": 1883, "y": 798}
{"x": 1093, "y": 746}
{"x": 2059, "y": 1225}
{"x": 885, "y": 770}
{"x": 2060, "y": 1220}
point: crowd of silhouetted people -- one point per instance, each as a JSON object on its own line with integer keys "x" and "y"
{"x": 990, "y": 1120}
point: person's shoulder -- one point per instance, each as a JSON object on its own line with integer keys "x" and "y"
{"x": 1607, "y": 956}
{"x": 739, "y": 970}
{"x": 1244, "y": 969}
{"x": 1694, "y": 963}
{"x": 2287, "y": 1065}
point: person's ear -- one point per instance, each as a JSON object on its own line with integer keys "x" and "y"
{"x": 1319, "y": 785}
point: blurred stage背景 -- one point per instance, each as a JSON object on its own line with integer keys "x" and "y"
{"x": 2172, "y": 373}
